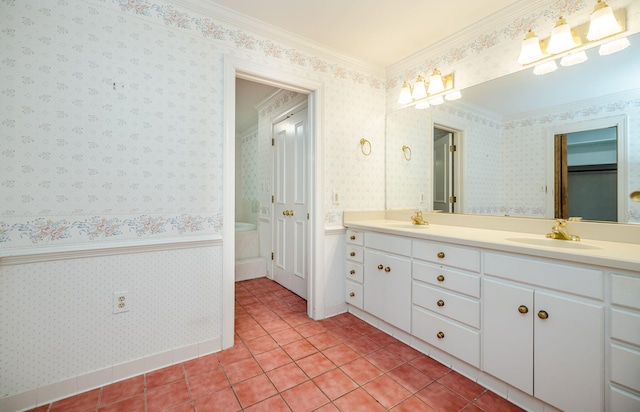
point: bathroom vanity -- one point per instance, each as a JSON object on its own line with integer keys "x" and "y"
{"x": 545, "y": 323}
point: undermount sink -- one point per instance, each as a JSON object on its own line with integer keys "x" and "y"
{"x": 555, "y": 243}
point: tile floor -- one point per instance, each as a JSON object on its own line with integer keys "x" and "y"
{"x": 284, "y": 361}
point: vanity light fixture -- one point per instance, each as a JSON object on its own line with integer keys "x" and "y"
{"x": 531, "y": 50}
{"x": 561, "y": 38}
{"x": 424, "y": 94}
{"x": 602, "y": 22}
{"x": 614, "y": 46}
{"x": 405, "y": 94}
{"x": 419, "y": 89}
{"x": 606, "y": 29}
{"x": 435, "y": 82}
{"x": 574, "y": 58}
{"x": 544, "y": 68}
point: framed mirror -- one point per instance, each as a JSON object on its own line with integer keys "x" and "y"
{"x": 507, "y": 130}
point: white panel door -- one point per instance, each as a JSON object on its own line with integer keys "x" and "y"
{"x": 291, "y": 240}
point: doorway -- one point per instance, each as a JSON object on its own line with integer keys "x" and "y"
{"x": 586, "y": 174}
{"x": 237, "y": 67}
{"x": 446, "y": 168}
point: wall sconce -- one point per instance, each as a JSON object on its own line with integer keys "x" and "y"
{"x": 423, "y": 93}
{"x": 570, "y": 44}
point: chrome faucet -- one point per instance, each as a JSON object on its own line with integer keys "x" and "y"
{"x": 417, "y": 219}
{"x": 559, "y": 231}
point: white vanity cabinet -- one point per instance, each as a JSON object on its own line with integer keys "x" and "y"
{"x": 387, "y": 279}
{"x": 445, "y": 300}
{"x": 543, "y": 328}
{"x": 624, "y": 345}
{"x": 354, "y": 268}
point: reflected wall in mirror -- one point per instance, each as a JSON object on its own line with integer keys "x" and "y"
{"x": 508, "y": 126}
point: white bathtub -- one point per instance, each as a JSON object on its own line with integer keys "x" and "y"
{"x": 245, "y": 227}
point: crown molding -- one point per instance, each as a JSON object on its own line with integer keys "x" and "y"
{"x": 493, "y": 22}
{"x": 223, "y": 14}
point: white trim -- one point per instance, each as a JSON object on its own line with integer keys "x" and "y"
{"x": 91, "y": 250}
{"x": 620, "y": 122}
{"x": 259, "y": 72}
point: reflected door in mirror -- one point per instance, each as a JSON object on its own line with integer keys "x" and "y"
{"x": 442, "y": 170}
{"x": 586, "y": 175}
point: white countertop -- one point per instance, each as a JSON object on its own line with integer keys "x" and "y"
{"x": 592, "y": 252}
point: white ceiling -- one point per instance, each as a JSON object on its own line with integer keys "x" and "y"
{"x": 378, "y": 32}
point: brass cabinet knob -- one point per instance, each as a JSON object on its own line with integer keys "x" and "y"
{"x": 523, "y": 309}
{"x": 380, "y": 267}
{"x": 440, "y": 303}
{"x": 387, "y": 269}
{"x": 440, "y": 335}
{"x": 352, "y": 294}
{"x": 352, "y": 254}
{"x": 440, "y": 255}
{"x": 352, "y": 272}
{"x": 352, "y": 237}
{"x": 543, "y": 315}
{"x": 440, "y": 278}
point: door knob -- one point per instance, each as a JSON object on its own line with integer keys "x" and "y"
{"x": 291, "y": 213}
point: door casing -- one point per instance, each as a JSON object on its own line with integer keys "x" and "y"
{"x": 236, "y": 67}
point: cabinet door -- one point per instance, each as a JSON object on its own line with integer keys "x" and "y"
{"x": 507, "y": 349}
{"x": 387, "y": 288}
{"x": 569, "y": 353}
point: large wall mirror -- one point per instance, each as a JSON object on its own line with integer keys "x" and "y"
{"x": 507, "y": 136}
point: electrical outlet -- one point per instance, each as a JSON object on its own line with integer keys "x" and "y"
{"x": 121, "y": 302}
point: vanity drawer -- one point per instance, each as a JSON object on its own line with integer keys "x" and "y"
{"x": 574, "y": 279}
{"x": 353, "y": 295}
{"x": 355, "y": 272}
{"x": 443, "y": 254}
{"x": 355, "y": 253}
{"x": 456, "y": 307}
{"x": 625, "y": 291}
{"x": 625, "y": 326}
{"x": 447, "y": 278}
{"x": 625, "y": 367}
{"x": 388, "y": 243}
{"x": 459, "y": 341}
{"x": 355, "y": 237}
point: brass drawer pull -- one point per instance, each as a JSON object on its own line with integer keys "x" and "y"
{"x": 440, "y": 335}
{"x": 352, "y": 237}
{"x": 352, "y": 254}
{"x": 440, "y": 303}
{"x": 352, "y": 294}
{"x": 543, "y": 315}
{"x": 352, "y": 272}
{"x": 380, "y": 267}
{"x": 387, "y": 269}
{"x": 523, "y": 309}
{"x": 440, "y": 255}
{"x": 440, "y": 278}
